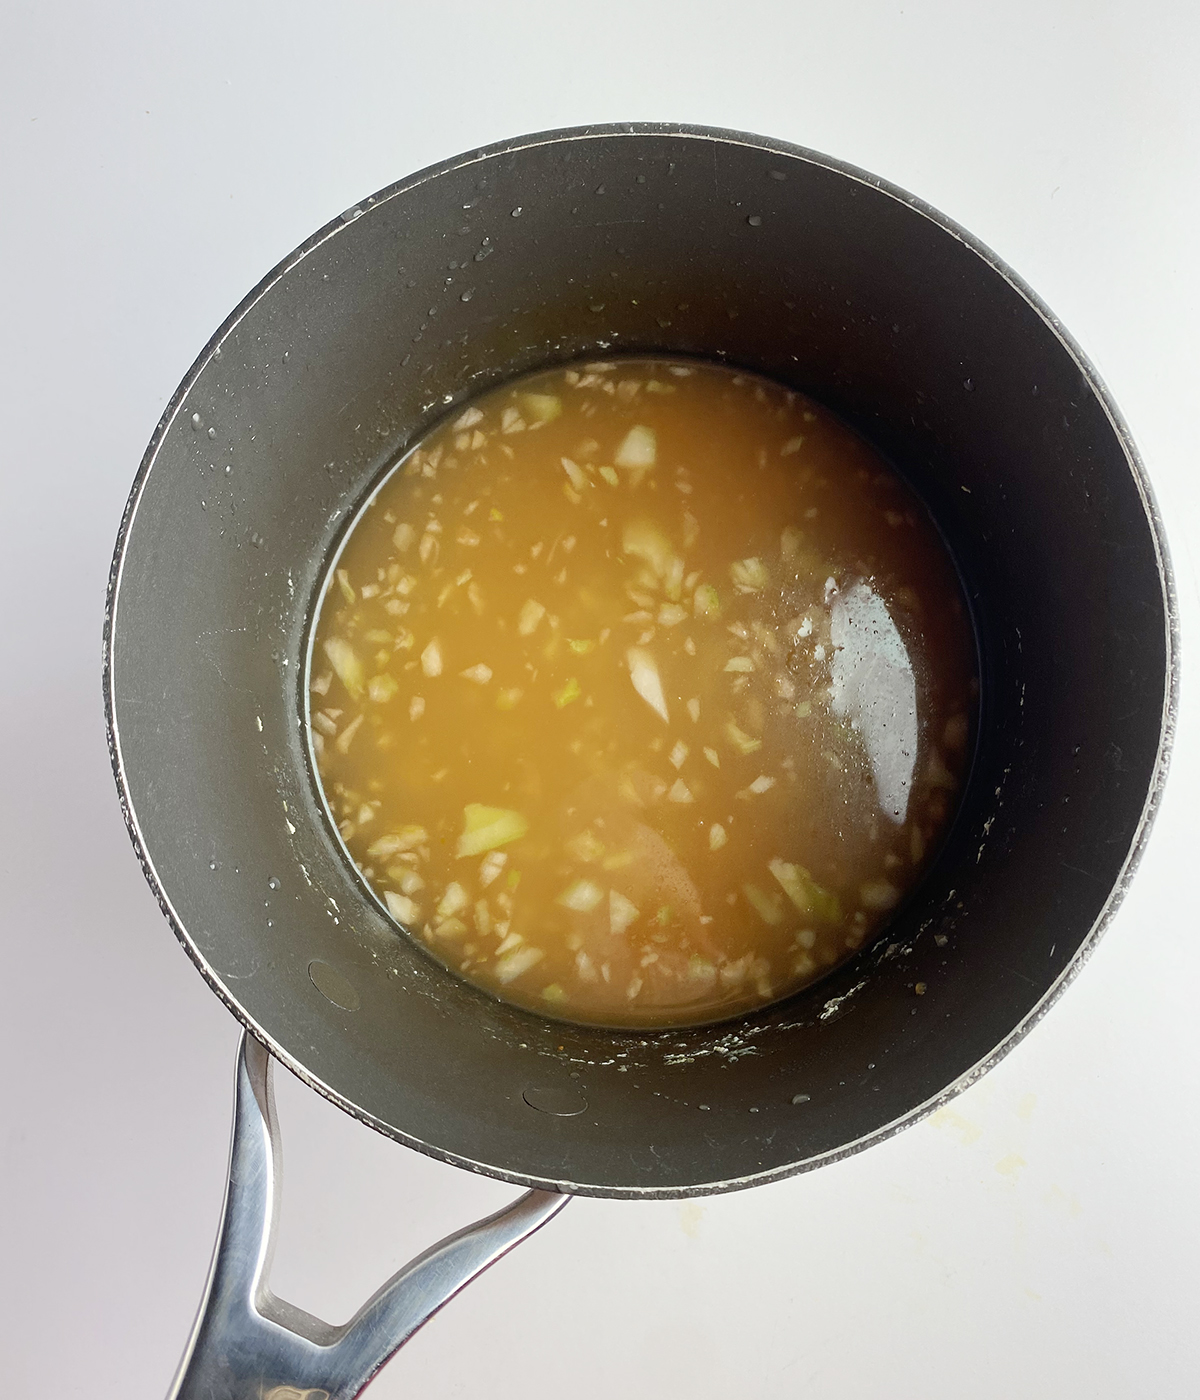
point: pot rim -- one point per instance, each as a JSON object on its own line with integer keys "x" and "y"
{"x": 728, "y": 137}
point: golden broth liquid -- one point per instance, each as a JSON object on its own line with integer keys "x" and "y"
{"x": 641, "y": 692}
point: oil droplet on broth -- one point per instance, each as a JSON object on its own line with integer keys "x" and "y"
{"x": 642, "y": 692}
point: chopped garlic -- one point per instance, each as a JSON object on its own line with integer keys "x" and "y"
{"x": 516, "y": 962}
{"x": 576, "y": 473}
{"x": 346, "y": 737}
{"x": 406, "y": 839}
{"x": 480, "y": 674}
{"x": 581, "y": 897}
{"x": 716, "y": 836}
{"x": 693, "y": 709}
{"x": 643, "y": 671}
{"x": 639, "y": 448}
{"x": 401, "y": 908}
{"x": 344, "y": 660}
{"x": 713, "y": 756}
{"x": 540, "y": 408}
{"x": 749, "y": 575}
{"x": 491, "y": 866}
{"x": 706, "y": 602}
{"x": 680, "y": 792}
{"x": 530, "y": 615}
{"x": 879, "y": 895}
{"x": 382, "y": 688}
{"x": 678, "y": 754}
{"x": 621, "y": 912}
{"x": 431, "y": 659}
{"x": 453, "y": 900}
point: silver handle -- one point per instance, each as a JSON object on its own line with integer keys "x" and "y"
{"x": 249, "y": 1345}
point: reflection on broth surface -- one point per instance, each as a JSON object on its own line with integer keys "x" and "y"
{"x": 641, "y": 692}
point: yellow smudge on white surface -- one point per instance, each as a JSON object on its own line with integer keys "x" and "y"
{"x": 691, "y": 1213}
{"x": 947, "y": 1118}
{"x": 1011, "y": 1165}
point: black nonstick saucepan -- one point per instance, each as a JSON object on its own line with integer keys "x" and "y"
{"x": 618, "y": 239}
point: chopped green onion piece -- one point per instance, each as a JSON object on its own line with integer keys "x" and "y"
{"x": 805, "y": 893}
{"x": 570, "y": 691}
{"x": 768, "y": 908}
{"x": 740, "y": 740}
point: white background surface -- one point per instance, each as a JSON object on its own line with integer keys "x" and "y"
{"x": 1039, "y": 1237}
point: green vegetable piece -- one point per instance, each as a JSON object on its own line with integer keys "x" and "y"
{"x": 485, "y": 828}
{"x": 570, "y": 691}
{"x": 741, "y": 740}
{"x": 769, "y": 908}
{"x": 805, "y": 893}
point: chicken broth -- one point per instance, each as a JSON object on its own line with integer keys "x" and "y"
{"x": 641, "y": 692}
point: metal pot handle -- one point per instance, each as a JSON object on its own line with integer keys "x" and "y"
{"x": 249, "y": 1345}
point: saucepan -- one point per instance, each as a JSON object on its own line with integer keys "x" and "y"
{"x": 617, "y": 239}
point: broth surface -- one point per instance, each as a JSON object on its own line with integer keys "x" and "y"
{"x": 641, "y": 692}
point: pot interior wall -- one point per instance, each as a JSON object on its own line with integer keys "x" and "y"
{"x": 617, "y": 241}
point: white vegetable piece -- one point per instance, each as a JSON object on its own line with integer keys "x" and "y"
{"x": 577, "y": 475}
{"x": 491, "y": 866}
{"x": 639, "y": 448}
{"x": 453, "y": 901}
{"x": 512, "y": 964}
{"x": 581, "y": 897}
{"x": 530, "y": 615}
{"x": 643, "y": 672}
{"x": 401, "y": 908}
{"x": 621, "y": 912}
